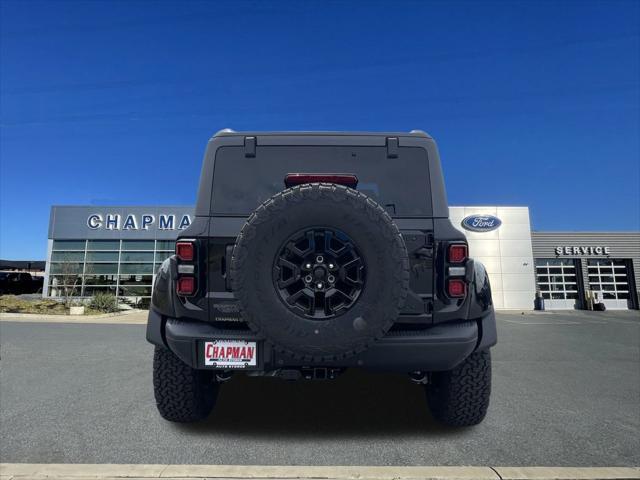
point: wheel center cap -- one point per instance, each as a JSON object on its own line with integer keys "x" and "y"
{"x": 319, "y": 273}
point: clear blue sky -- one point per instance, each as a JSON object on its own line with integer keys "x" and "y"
{"x": 532, "y": 103}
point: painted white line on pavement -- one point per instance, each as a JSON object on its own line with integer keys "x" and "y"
{"x": 516, "y": 322}
{"x": 567, "y": 473}
{"x": 23, "y": 471}
{"x": 136, "y": 318}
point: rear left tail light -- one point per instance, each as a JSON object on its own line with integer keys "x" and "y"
{"x": 456, "y": 288}
{"x": 185, "y": 251}
{"x": 186, "y": 286}
{"x": 187, "y": 268}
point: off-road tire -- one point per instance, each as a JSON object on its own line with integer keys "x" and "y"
{"x": 460, "y": 397}
{"x": 182, "y": 393}
{"x": 372, "y": 231}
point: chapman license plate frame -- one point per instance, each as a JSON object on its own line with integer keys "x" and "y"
{"x": 227, "y": 354}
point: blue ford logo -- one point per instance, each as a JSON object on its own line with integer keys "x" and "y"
{"x": 481, "y": 223}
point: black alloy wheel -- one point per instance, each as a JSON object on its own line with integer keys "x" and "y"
{"x": 319, "y": 273}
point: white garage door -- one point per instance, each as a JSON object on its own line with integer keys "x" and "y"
{"x": 610, "y": 280}
{"x": 558, "y": 284}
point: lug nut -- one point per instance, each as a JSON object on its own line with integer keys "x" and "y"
{"x": 308, "y": 265}
{"x": 308, "y": 279}
{"x": 331, "y": 278}
{"x": 331, "y": 265}
{"x": 319, "y": 259}
{"x": 319, "y": 285}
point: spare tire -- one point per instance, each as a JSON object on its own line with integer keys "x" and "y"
{"x": 320, "y": 271}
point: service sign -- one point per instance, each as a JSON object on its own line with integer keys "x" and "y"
{"x": 481, "y": 223}
{"x": 583, "y": 250}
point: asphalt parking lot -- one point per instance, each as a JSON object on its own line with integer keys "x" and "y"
{"x": 566, "y": 392}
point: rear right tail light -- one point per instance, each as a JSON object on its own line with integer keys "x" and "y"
{"x": 186, "y": 286}
{"x": 456, "y": 288}
{"x": 457, "y": 253}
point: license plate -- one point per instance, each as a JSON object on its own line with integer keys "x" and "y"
{"x": 230, "y": 353}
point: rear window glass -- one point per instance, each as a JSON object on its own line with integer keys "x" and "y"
{"x": 400, "y": 185}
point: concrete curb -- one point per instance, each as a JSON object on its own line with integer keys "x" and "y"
{"x": 24, "y": 471}
{"x": 127, "y": 317}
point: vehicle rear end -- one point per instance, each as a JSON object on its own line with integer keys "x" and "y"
{"x": 314, "y": 252}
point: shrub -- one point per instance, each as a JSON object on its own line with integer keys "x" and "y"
{"x": 104, "y": 302}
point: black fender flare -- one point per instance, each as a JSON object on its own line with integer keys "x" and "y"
{"x": 480, "y": 305}
{"x": 162, "y": 302}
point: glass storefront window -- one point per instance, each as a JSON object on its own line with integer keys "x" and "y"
{"x": 56, "y": 280}
{"x": 102, "y": 256}
{"x": 136, "y": 257}
{"x": 66, "y": 268}
{"x": 100, "y": 279}
{"x": 136, "y": 279}
{"x": 90, "y": 291}
{"x": 128, "y": 291}
{"x": 165, "y": 245}
{"x": 65, "y": 290}
{"x": 162, "y": 256}
{"x": 120, "y": 267}
{"x": 100, "y": 268}
{"x": 67, "y": 256}
{"x": 68, "y": 244}
{"x": 103, "y": 245}
{"x": 136, "y": 268}
{"x": 138, "y": 245}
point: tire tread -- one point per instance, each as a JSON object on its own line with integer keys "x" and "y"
{"x": 182, "y": 393}
{"x": 460, "y": 397}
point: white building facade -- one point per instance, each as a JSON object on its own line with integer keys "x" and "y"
{"x": 505, "y": 251}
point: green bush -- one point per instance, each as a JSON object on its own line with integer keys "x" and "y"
{"x": 104, "y": 302}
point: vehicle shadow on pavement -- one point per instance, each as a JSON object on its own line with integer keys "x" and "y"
{"x": 357, "y": 403}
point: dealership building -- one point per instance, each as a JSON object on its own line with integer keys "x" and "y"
{"x": 119, "y": 249}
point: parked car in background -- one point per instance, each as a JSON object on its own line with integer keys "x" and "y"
{"x": 18, "y": 283}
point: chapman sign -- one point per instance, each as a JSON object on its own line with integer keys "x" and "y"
{"x": 584, "y": 250}
{"x": 114, "y": 221}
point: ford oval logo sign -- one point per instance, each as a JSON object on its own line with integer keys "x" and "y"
{"x": 481, "y": 223}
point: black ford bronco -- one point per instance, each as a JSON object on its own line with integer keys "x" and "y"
{"x": 311, "y": 253}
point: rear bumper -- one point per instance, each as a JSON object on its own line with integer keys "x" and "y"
{"x": 440, "y": 347}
